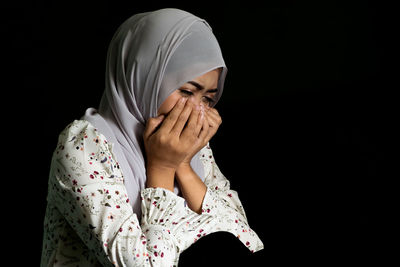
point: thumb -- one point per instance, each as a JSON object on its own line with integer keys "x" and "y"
{"x": 151, "y": 125}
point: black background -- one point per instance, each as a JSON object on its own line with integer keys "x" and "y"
{"x": 308, "y": 116}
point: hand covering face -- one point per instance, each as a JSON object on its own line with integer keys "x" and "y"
{"x": 150, "y": 56}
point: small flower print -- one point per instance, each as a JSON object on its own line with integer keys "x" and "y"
{"x": 92, "y": 204}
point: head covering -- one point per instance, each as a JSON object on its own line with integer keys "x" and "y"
{"x": 150, "y": 56}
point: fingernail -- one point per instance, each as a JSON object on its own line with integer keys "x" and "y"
{"x": 183, "y": 100}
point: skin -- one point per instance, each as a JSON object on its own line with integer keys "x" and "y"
{"x": 185, "y": 124}
{"x": 198, "y": 97}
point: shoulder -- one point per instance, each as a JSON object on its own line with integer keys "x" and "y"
{"x": 82, "y": 149}
{"x": 77, "y": 128}
{"x": 80, "y": 134}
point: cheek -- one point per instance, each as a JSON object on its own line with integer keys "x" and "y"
{"x": 169, "y": 103}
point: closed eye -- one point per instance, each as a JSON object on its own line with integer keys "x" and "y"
{"x": 207, "y": 99}
{"x": 185, "y": 92}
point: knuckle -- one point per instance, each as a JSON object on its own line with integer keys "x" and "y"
{"x": 171, "y": 142}
{"x": 167, "y": 141}
{"x": 162, "y": 139}
{"x": 149, "y": 122}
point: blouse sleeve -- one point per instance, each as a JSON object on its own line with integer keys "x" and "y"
{"x": 221, "y": 211}
{"x": 86, "y": 186}
{"x": 224, "y": 204}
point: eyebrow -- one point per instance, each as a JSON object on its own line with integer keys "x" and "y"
{"x": 201, "y": 87}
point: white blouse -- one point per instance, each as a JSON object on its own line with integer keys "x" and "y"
{"x": 89, "y": 220}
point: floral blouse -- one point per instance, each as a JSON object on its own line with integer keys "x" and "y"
{"x": 89, "y": 220}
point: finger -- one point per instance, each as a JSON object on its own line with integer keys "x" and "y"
{"x": 204, "y": 130}
{"x": 192, "y": 122}
{"x": 198, "y": 125}
{"x": 213, "y": 126}
{"x": 182, "y": 119}
{"x": 214, "y": 113}
{"x": 152, "y": 125}
{"x": 211, "y": 119}
{"x": 173, "y": 115}
{"x": 213, "y": 110}
{"x": 215, "y": 119}
{"x": 210, "y": 133}
{"x": 200, "y": 121}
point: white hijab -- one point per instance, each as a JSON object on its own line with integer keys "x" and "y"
{"x": 150, "y": 56}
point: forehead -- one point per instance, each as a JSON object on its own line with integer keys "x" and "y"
{"x": 209, "y": 79}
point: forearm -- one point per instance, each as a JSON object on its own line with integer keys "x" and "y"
{"x": 192, "y": 187}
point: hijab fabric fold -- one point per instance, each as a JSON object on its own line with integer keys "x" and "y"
{"x": 150, "y": 56}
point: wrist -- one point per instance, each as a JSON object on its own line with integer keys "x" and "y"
{"x": 184, "y": 166}
{"x": 160, "y": 168}
{"x": 160, "y": 176}
{"x": 183, "y": 169}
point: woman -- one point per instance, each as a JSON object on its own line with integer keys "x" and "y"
{"x": 134, "y": 183}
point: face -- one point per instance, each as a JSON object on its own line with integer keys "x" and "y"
{"x": 201, "y": 90}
